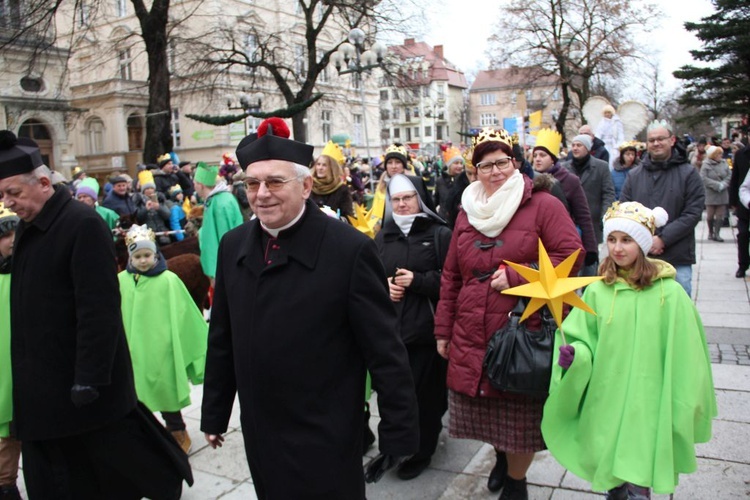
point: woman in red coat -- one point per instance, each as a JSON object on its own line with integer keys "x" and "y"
{"x": 502, "y": 218}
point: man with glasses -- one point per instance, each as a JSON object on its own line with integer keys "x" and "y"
{"x": 665, "y": 178}
{"x": 301, "y": 311}
{"x": 221, "y": 213}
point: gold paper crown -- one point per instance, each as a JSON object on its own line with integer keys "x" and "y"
{"x": 145, "y": 177}
{"x": 468, "y": 154}
{"x": 398, "y": 150}
{"x": 550, "y": 140}
{"x": 492, "y": 134}
{"x": 451, "y": 153}
{"x": 138, "y": 233}
{"x": 334, "y": 151}
{"x": 634, "y": 211}
{"x": 6, "y": 212}
{"x": 165, "y": 156}
{"x": 515, "y": 138}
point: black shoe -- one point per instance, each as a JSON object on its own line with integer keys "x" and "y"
{"x": 10, "y": 493}
{"x": 409, "y": 469}
{"x": 515, "y": 489}
{"x": 499, "y": 472}
{"x": 740, "y": 273}
{"x": 619, "y": 493}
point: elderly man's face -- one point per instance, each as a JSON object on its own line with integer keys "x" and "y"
{"x": 659, "y": 142}
{"x": 278, "y": 206}
{"x": 25, "y": 196}
{"x": 120, "y": 188}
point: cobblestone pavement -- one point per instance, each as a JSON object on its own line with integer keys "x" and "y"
{"x": 729, "y": 354}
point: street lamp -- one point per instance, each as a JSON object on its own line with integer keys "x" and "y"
{"x": 249, "y": 103}
{"x": 353, "y": 58}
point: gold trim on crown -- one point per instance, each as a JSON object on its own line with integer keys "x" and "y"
{"x": 633, "y": 211}
{"x": 334, "y": 151}
{"x": 550, "y": 140}
{"x": 5, "y": 212}
{"x": 492, "y": 134}
{"x": 165, "y": 156}
{"x": 138, "y": 233}
{"x": 397, "y": 149}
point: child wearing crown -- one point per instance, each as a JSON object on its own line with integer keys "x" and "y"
{"x": 166, "y": 332}
{"x": 632, "y": 391}
{"x": 10, "y": 448}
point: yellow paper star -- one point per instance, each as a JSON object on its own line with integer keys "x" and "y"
{"x": 550, "y": 285}
{"x": 363, "y": 220}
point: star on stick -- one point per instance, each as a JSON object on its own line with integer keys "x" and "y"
{"x": 363, "y": 220}
{"x": 550, "y": 286}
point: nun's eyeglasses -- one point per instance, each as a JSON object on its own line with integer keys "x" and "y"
{"x": 406, "y": 198}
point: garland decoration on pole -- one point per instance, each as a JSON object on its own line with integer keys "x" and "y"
{"x": 288, "y": 112}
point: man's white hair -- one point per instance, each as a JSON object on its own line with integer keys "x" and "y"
{"x": 301, "y": 171}
{"x": 40, "y": 172}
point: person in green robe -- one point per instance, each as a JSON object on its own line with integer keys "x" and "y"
{"x": 10, "y": 448}
{"x": 87, "y": 192}
{"x": 221, "y": 213}
{"x": 166, "y": 332}
{"x": 632, "y": 391}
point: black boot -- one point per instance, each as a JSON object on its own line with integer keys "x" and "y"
{"x": 619, "y": 493}
{"x": 717, "y": 229}
{"x": 515, "y": 489}
{"x": 368, "y": 437}
{"x": 710, "y": 230}
{"x": 499, "y": 472}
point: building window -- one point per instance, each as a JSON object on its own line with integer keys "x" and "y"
{"x": 383, "y": 95}
{"x": 10, "y": 14}
{"x": 556, "y": 95}
{"x": 358, "y": 130}
{"x": 385, "y": 114}
{"x": 325, "y": 121}
{"x": 299, "y": 60}
{"x": 95, "y": 136}
{"x": 513, "y": 97}
{"x": 356, "y": 80}
{"x": 488, "y": 99}
{"x": 121, "y": 8}
{"x": 125, "y": 64}
{"x": 425, "y": 91}
{"x": 396, "y": 133}
{"x": 176, "y": 137}
{"x": 395, "y": 94}
{"x": 323, "y": 75}
{"x": 172, "y": 57}
{"x": 416, "y": 112}
{"x": 415, "y": 92}
{"x": 84, "y": 15}
{"x": 408, "y": 134}
{"x": 439, "y": 133}
{"x": 486, "y": 119}
{"x": 416, "y": 131}
{"x": 528, "y": 95}
{"x": 428, "y": 131}
{"x": 396, "y": 113}
{"x": 441, "y": 91}
{"x": 32, "y": 84}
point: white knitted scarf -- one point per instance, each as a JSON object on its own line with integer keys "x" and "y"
{"x": 490, "y": 215}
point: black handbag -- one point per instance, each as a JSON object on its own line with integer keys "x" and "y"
{"x": 518, "y": 359}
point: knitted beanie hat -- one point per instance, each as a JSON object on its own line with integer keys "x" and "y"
{"x": 585, "y": 140}
{"x": 635, "y": 220}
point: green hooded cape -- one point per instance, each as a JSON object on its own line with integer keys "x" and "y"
{"x": 221, "y": 213}
{"x": 6, "y": 380}
{"x": 167, "y": 336}
{"x": 639, "y": 393}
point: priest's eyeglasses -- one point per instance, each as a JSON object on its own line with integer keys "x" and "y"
{"x": 501, "y": 164}
{"x": 272, "y": 183}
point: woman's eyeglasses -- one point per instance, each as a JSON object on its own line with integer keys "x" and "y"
{"x": 272, "y": 184}
{"x": 501, "y": 164}
{"x": 406, "y": 198}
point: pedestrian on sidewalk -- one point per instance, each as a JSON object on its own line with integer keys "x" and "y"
{"x": 716, "y": 176}
{"x": 739, "y": 173}
{"x": 166, "y": 332}
{"x": 301, "y": 312}
{"x": 632, "y": 391}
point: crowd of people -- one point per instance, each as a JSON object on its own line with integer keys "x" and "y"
{"x": 409, "y": 310}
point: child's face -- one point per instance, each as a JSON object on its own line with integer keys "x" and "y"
{"x": 148, "y": 192}
{"x": 6, "y": 244}
{"x": 623, "y": 249}
{"x": 143, "y": 260}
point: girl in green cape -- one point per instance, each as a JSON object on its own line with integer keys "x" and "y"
{"x": 632, "y": 392}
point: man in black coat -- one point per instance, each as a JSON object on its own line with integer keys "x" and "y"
{"x": 73, "y": 393}
{"x": 741, "y": 166}
{"x": 301, "y": 311}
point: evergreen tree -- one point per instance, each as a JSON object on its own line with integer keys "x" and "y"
{"x": 722, "y": 86}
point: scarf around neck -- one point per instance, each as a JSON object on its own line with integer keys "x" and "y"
{"x": 490, "y": 215}
{"x": 326, "y": 186}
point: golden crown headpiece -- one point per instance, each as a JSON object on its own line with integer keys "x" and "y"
{"x": 468, "y": 154}
{"x": 639, "y": 146}
{"x": 393, "y": 148}
{"x": 550, "y": 140}
{"x": 492, "y": 134}
{"x": 634, "y": 211}
{"x": 334, "y": 151}
{"x": 164, "y": 157}
{"x": 137, "y": 234}
{"x": 6, "y": 212}
{"x": 515, "y": 138}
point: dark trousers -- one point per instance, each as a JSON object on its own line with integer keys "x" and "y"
{"x": 429, "y": 370}
{"x": 173, "y": 421}
{"x": 119, "y": 461}
{"x": 743, "y": 242}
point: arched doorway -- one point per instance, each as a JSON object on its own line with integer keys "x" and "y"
{"x": 38, "y": 131}
{"x": 135, "y": 133}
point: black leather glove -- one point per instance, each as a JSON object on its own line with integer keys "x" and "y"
{"x": 376, "y": 467}
{"x": 591, "y": 258}
{"x": 81, "y": 395}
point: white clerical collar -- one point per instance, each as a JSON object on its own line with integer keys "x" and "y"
{"x": 275, "y": 232}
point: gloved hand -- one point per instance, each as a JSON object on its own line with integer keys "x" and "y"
{"x": 375, "y": 469}
{"x": 722, "y": 186}
{"x": 81, "y": 395}
{"x": 590, "y": 259}
{"x": 567, "y": 353}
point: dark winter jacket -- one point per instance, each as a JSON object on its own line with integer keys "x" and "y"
{"x": 186, "y": 183}
{"x": 443, "y": 186}
{"x": 596, "y": 181}
{"x": 164, "y": 182}
{"x": 296, "y": 323}
{"x": 156, "y": 219}
{"x": 739, "y": 172}
{"x": 470, "y": 311}
{"x": 417, "y": 253}
{"x": 676, "y": 186}
{"x": 341, "y": 199}
{"x": 578, "y": 205}
{"x": 123, "y": 205}
{"x": 619, "y": 174}
{"x": 65, "y": 318}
